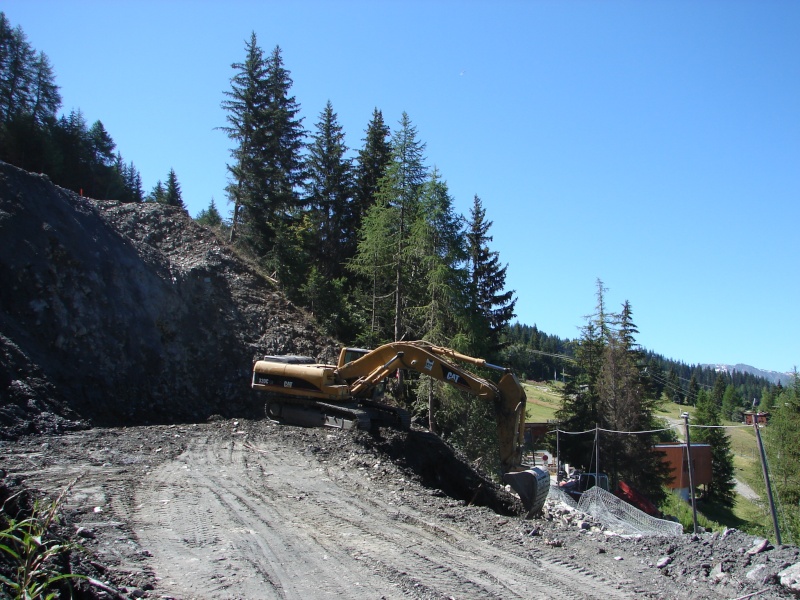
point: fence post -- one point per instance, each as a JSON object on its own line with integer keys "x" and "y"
{"x": 685, "y": 416}
{"x": 766, "y": 481}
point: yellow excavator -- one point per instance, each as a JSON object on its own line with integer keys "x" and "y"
{"x": 350, "y": 394}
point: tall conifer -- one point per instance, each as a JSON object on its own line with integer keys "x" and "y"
{"x": 373, "y": 159}
{"x": 399, "y": 191}
{"x": 329, "y": 195}
{"x": 173, "y": 195}
{"x": 722, "y": 486}
{"x": 492, "y": 307}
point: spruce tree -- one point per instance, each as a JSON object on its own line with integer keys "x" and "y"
{"x": 492, "y": 307}
{"x": 210, "y": 216}
{"x": 285, "y": 172}
{"x": 624, "y": 406}
{"x": 694, "y": 389}
{"x": 172, "y": 195}
{"x": 718, "y": 391}
{"x": 373, "y": 160}
{"x": 133, "y": 183}
{"x": 579, "y": 410}
{"x": 157, "y": 194}
{"x": 267, "y": 173}
{"x": 246, "y": 116}
{"x": 707, "y": 417}
{"x": 329, "y": 196}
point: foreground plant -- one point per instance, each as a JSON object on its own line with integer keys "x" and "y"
{"x": 34, "y": 558}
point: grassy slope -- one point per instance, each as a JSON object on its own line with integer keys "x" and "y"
{"x": 745, "y": 514}
{"x": 544, "y": 399}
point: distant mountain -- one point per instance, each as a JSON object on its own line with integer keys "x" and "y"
{"x": 771, "y": 376}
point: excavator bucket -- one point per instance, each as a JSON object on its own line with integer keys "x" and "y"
{"x": 532, "y": 486}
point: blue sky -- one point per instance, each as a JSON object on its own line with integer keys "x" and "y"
{"x": 653, "y": 145}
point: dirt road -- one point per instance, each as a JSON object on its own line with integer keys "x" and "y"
{"x": 254, "y": 510}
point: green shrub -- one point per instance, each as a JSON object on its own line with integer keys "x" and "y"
{"x": 33, "y": 555}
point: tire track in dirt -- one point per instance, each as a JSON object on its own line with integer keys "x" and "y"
{"x": 242, "y": 518}
{"x": 251, "y": 510}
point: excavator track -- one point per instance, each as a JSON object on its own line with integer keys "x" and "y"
{"x": 317, "y": 414}
{"x": 384, "y": 415}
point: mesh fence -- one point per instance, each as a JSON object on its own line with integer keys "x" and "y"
{"x": 558, "y": 495}
{"x": 623, "y": 518}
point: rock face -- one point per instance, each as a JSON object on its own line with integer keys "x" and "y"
{"x": 114, "y": 313}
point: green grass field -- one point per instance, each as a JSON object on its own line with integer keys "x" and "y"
{"x": 544, "y": 399}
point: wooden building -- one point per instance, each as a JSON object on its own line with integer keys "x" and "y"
{"x": 676, "y": 456}
{"x": 751, "y": 417}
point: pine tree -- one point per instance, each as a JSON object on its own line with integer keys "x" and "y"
{"x": 372, "y": 264}
{"x": 373, "y": 160}
{"x": 210, "y": 216}
{"x": 29, "y": 100}
{"x": 329, "y": 195}
{"x": 157, "y": 194}
{"x": 268, "y": 172}
{"x": 399, "y": 194}
{"x": 707, "y": 415}
{"x": 172, "y": 195}
{"x": 492, "y": 308}
{"x": 731, "y": 404}
{"x": 246, "y": 107}
{"x": 45, "y": 98}
{"x": 16, "y": 58}
{"x": 624, "y": 406}
{"x": 438, "y": 248}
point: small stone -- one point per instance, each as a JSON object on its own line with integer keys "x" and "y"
{"x": 85, "y": 533}
{"x": 759, "y": 546}
{"x": 790, "y": 577}
{"x": 663, "y": 562}
{"x": 756, "y": 573}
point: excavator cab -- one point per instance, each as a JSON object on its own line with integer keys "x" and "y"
{"x": 348, "y": 355}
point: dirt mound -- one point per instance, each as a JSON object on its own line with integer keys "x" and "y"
{"x": 117, "y": 313}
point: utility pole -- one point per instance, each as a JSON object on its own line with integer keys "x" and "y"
{"x": 766, "y": 480}
{"x": 685, "y": 416}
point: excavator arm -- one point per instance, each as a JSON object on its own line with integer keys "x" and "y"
{"x": 442, "y": 364}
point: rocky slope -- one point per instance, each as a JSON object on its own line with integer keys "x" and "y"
{"x": 115, "y": 313}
